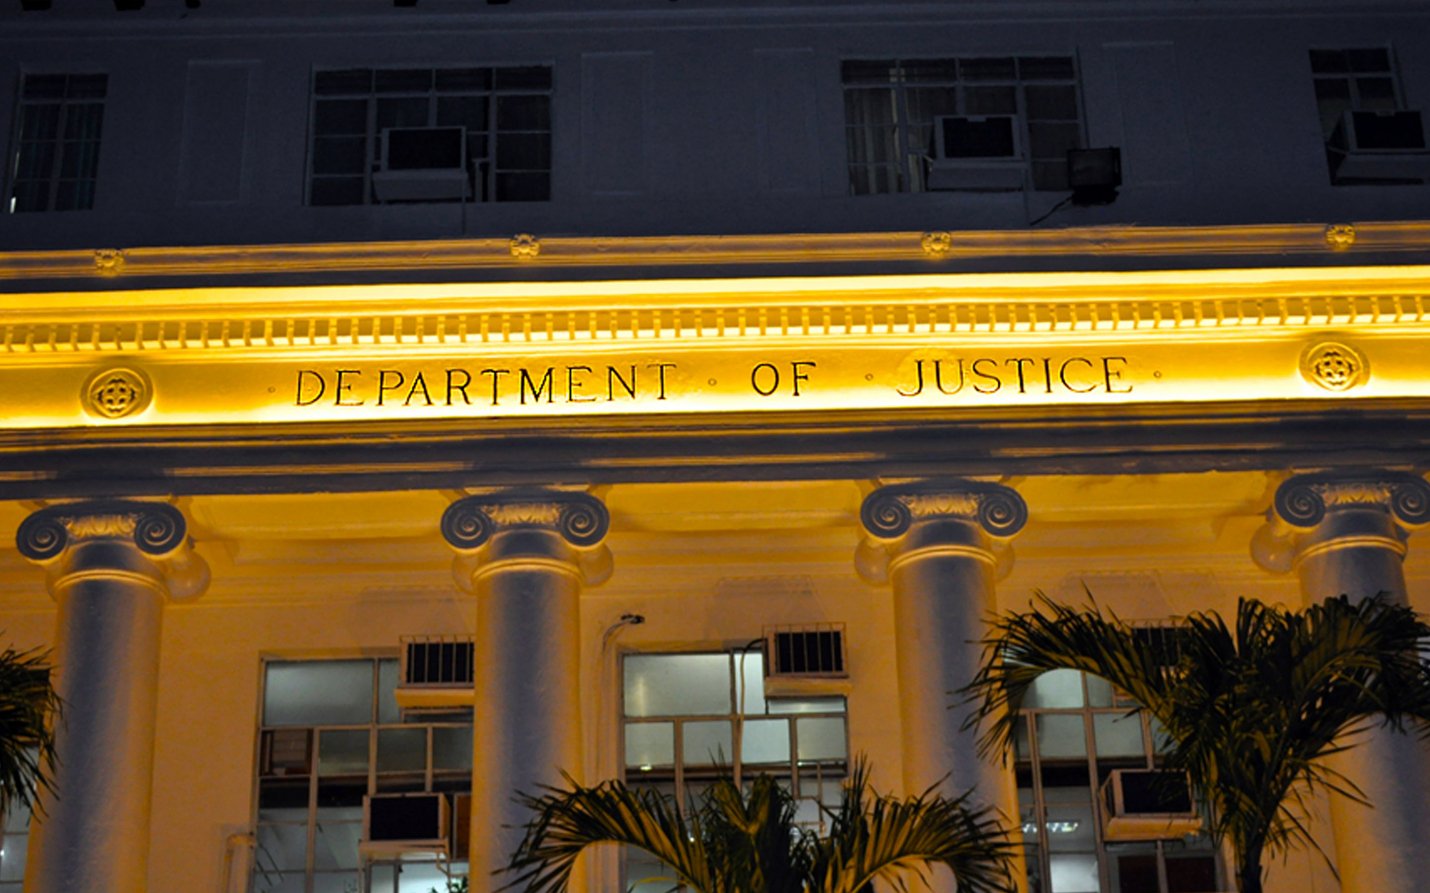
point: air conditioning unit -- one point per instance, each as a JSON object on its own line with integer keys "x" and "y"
{"x": 801, "y": 660}
{"x": 1094, "y": 175}
{"x": 977, "y": 154}
{"x": 1148, "y": 804}
{"x": 438, "y": 672}
{"x": 423, "y": 164}
{"x": 398, "y": 825}
{"x": 1388, "y": 145}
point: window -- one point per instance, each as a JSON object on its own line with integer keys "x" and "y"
{"x": 329, "y": 734}
{"x": 56, "y": 154}
{"x": 1363, "y": 115}
{"x": 891, "y": 108}
{"x": 502, "y": 116}
{"x": 689, "y": 718}
{"x": 1075, "y": 731}
{"x": 14, "y": 844}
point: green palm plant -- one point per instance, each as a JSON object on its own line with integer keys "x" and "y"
{"x": 1250, "y": 712}
{"x": 28, "y": 706}
{"x": 746, "y": 841}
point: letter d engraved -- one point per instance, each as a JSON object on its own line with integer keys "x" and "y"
{"x": 322, "y": 388}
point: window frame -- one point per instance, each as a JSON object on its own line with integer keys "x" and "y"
{"x": 86, "y": 181}
{"x": 911, "y": 166}
{"x": 484, "y": 173}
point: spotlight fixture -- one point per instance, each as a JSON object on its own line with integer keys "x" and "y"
{"x": 34, "y": 5}
{"x": 404, "y": 2}
{"x": 128, "y": 5}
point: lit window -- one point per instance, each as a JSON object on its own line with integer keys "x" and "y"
{"x": 14, "y": 844}
{"x": 56, "y": 154}
{"x": 1010, "y": 120}
{"x": 331, "y": 734}
{"x": 1370, "y": 134}
{"x": 692, "y": 718}
{"x": 447, "y": 134}
{"x": 1075, "y": 731}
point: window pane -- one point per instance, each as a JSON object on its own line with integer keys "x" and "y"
{"x": 463, "y": 79}
{"x": 335, "y": 844}
{"x": 764, "y": 741}
{"x": 707, "y": 743}
{"x": 532, "y": 77}
{"x": 1048, "y": 68}
{"x": 677, "y": 684}
{"x": 12, "y": 858}
{"x": 355, "y": 80}
{"x": 1328, "y": 61}
{"x": 401, "y": 750}
{"x": 387, "y": 676}
{"x": 833, "y": 704}
{"x": 821, "y": 738}
{"x": 988, "y": 69}
{"x": 343, "y": 155}
{"x": 1376, "y": 94}
{"x": 1117, "y": 735}
{"x": 1374, "y": 59}
{"x": 650, "y": 744}
{"x": 404, "y": 80}
{"x": 523, "y": 113}
{"x": 337, "y": 191}
{"x": 523, "y": 187}
{"x": 1060, "y": 736}
{"x": 462, "y": 111}
{"x": 282, "y": 847}
{"x": 1052, "y": 101}
{"x": 452, "y": 748}
{"x": 1073, "y": 872}
{"x": 343, "y": 752}
{"x": 751, "y": 693}
{"x": 337, "y": 692}
{"x": 340, "y": 116}
{"x": 524, "y": 151}
{"x": 406, "y": 112}
{"x": 867, "y": 72}
{"x": 1055, "y": 689}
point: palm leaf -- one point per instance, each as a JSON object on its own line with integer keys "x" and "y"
{"x": 1252, "y": 712}
{"x": 28, "y": 709}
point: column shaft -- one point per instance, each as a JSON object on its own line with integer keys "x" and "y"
{"x": 1346, "y": 536}
{"x": 528, "y": 704}
{"x": 111, "y": 568}
{"x": 940, "y": 602}
{"x": 525, "y": 557}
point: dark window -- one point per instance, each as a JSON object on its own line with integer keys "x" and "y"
{"x": 1371, "y": 135}
{"x": 56, "y": 149}
{"x": 900, "y": 113}
{"x": 487, "y": 131}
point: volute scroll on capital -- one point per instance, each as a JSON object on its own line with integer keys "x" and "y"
{"x": 1315, "y": 511}
{"x": 67, "y": 538}
{"x": 527, "y": 523}
{"x": 890, "y": 512}
{"x": 906, "y": 521}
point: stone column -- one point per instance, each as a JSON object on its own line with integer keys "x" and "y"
{"x": 110, "y": 567}
{"x": 942, "y": 546}
{"x": 525, "y": 556}
{"x": 1346, "y": 535}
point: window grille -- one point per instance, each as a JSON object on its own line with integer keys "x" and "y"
{"x": 56, "y": 156}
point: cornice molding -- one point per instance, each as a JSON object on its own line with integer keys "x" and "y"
{"x": 938, "y": 247}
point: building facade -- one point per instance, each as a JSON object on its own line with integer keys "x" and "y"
{"x": 406, "y": 403}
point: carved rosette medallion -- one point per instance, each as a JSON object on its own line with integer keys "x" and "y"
{"x": 936, "y": 244}
{"x": 1340, "y": 236}
{"x": 116, "y": 392}
{"x": 890, "y": 512}
{"x": 525, "y": 246}
{"x": 1334, "y": 366}
{"x": 156, "y": 529}
{"x": 580, "y": 519}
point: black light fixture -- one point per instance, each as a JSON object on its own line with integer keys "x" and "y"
{"x": 34, "y": 5}
{"x": 404, "y": 2}
{"x": 1094, "y": 175}
{"x": 128, "y": 5}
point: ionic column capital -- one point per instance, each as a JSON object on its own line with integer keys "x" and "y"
{"x": 1312, "y": 513}
{"x": 558, "y": 530}
{"x": 144, "y": 541}
{"x": 907, "y": 521}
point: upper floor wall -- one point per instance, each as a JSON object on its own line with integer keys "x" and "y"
{"x": 235, "y": 123}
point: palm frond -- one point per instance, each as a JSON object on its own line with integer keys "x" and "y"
{"x": 29, "y": 709}
{"x": 875, "y": 837}
{"x": 1251, "y": 711}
